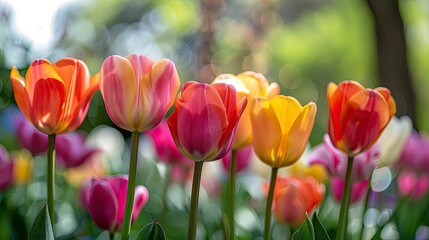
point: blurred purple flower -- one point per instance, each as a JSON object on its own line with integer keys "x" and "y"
{"x": 335, "y": 161}
{"x": 6, "y": 170}
{"x": 359, "y": 188}
{"x": 72, "y": 150}
{"x": 29, "y": 137}
{"x": 242, "y": 158}
{"x": 413, "y": 184}
{"x": 105, "y": 200}
{"x": 165, "y": 147}
{"x": 415, "y": 155}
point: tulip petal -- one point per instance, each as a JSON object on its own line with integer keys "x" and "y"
{"x": 267, "y": 131}
{"x": 299, "y": 134}
{"x": 386, "y": 94}
{"x": 39, "y": 69}
{"x": 20, "y": 92}
{"x": 140, "y": 199}
{"x": 47, "y": 104}
{"x": 119, "y": 185}
{"x": 202, "y": 117}
{"x": 103, "y": 205}
{"x": 118, "y": 88}
{"x": 364, "y": 116}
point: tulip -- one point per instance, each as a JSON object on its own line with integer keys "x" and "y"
{"x": 6, "y": 170}
{"x": 165, "y": 147}
{"x": 243, "y": 157}
{"x": 304, "y": 170}
{"x": 105, "y": 201}
{"x": 358, "y": 189}
{"x": 72, "y": 150}
{"x": 412, "y": 184}
{"x": 54, "y": 97}
{"x": 415, "y": 155}
{"x": 281, "y": 128}
{"x": 335, "y": 161}
{"x": 203, "y": 125}
{"x": 294, "y": 197}
{"x": 138, "y": 91}
{"x": 393, "y": 139}
{"x": 251, "y": 85}
{"x": 91, "y": 168}
{"x": 204, "y": 120}
{"x": 357, "y": 116}
{"x": 22, "y": 166}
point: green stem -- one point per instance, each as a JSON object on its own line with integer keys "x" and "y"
{"x": 364, "y": 208}
{"x": 232, "y": 170}
{"x": 50, "y": 181}
{"x": 126, "y": 222}
{"x": 192, "y": 228}
{"x": 269, "y": 204}
{"x": 111, "y": 235}
{"x": 345, "y": 202}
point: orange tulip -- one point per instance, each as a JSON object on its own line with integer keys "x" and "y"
{"x": 251, "y": 85}
{"x": 294, "y": 197}
{"x": 357, "y": 116}
{"x": 137, "y": 90}
{"x": 54, "y": 97}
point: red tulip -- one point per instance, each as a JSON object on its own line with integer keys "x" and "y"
{"x": 205, "y": 119}
{"x": 105, "y": 201}
{"x": 357, "y": 116}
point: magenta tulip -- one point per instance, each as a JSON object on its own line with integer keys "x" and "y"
{"x": 358, "y": 189}
{"x": 414, "y": 185}
{"x": 105, "y": 200}
{"x": 243, "y": 157}
{"x": 6, "y": 170}
{"x": 29, "y": 137}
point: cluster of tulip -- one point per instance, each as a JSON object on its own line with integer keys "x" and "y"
{"x": 228, "y": 119}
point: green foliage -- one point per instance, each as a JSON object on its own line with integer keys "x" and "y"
{"x": 42, "y": 228}
{"x": 152, "y": 231}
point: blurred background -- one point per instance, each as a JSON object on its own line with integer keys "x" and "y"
{"x": 302, "y": 45}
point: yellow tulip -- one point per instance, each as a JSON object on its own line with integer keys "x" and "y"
{"x": 23, "y": 166}
{"x": 251, "y": 85}
{"x": 281, "y": 128}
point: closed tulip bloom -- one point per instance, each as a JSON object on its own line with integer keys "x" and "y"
{"x": 358, "y": 189}
{"x": 6, "y": 170}
{"x": 29, "y": 137}
{"x": 357, "y": 116}
{"x": 204, "y": 120}
{"x": 138, "y": 91}
{"x": 251, "y": 85}
{"x": 72, "y": 150}
{"x": 281, "y": 128}
{"x": 54, "y": 97}
{"x": 296, "y": 196}
{"x": 105, "y": 201}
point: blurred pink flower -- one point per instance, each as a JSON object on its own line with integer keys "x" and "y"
{"x": 105, "y": 200}
{"x": 72, "y": 150}
{"x": 6, "y": 170}
{"x": 359, "y": 188}
{"x": 243, "y": 156}
{"x": 29, "y": 137}
{"x": 415, "y": 155}
{"x": 165, "y": 147}
{"x": 412, "y": 184}
{"x": 335, "y": 161}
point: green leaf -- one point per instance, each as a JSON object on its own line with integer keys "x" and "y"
{"x": 152, "y": 231}
{"x": 42, "y": 228}
{"x": 306, "y": 231}
{"x": 319, "y": 229}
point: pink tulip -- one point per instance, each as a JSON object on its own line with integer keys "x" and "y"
{"x": 412, "y": 184}
{"x": 138, "y": 91}
{"x": 335, "y": 161}
{"x": 205, "y": 119}
{"x": 105, "y": 200}
{"x": 165, "y": 147}
{"x": 359, "y": 188}
{"x": 415, "y": 155}
{"x": 6, "y": 170}
{"x": 243, "y": 157}
{"x": 72, "y": 150}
